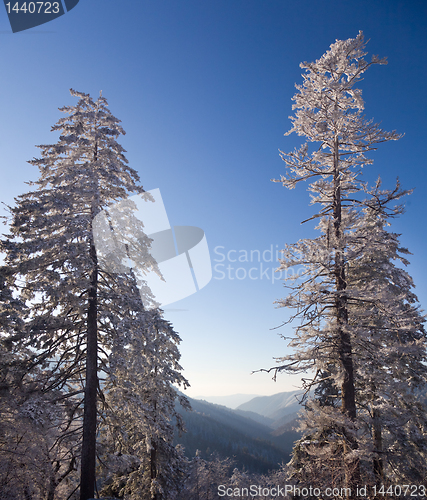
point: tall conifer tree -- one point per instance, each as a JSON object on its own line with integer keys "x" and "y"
{"x": 76, "y": 309}
{"x": 342, "y": 294}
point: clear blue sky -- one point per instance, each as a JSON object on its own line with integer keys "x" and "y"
{"x": 204, "y": 90}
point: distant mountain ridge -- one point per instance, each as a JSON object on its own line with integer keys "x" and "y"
{"x": 255, "y": 441}
{"x": 280, "y": 408}
{"x": 232, "y": 401}
{"x": 273, "y": 406}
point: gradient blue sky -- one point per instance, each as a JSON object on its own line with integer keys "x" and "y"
{"x": 204, "y": 90}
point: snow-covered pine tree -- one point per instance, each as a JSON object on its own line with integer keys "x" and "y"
{"x": 205, "y": 476}
{"x": 72, "y": 318}
{"x": 390, "y": 346}
{"x": 37, "y": 453}
{"x": 389, "y": 350}
{"x": 331, "y": 340}
{"x": 140, "y": 406}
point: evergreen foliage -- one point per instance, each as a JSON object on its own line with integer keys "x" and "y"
{"x": 361, "y": 332}
{"x": 79, "y": 334}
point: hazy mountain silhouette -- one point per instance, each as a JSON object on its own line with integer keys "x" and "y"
{"x": 232, "y": 401}
{"x": 280, "y": 408}
{"x": 246, "y": 436}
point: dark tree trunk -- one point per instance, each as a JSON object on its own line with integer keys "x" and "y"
{"x": 88, "y": 462}
{"x": 348, "y": 398}
{"x": 378, "y": 446}
{"x": 87, "y": 478}
{"x": 55, "y": 481}
{"x": 153, "y": 463}
{"x": 153, "y": 453}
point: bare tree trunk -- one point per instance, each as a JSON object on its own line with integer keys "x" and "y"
{"x": 87, "y": 478}
{"x": 153, "y": 463}
{"x": 55, "y": 481}
{"x": 88, "y": 460}
{"x": 378, "y": 446}
{"x": 153, "y": 454}
{"x": 348, "y": 399}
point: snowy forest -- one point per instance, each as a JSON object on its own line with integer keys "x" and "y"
{"x": 91, "y": 387}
